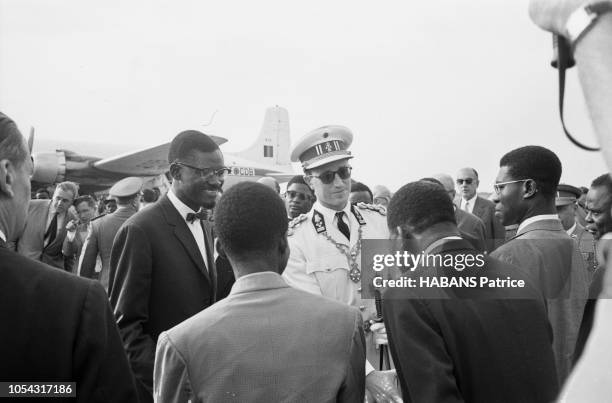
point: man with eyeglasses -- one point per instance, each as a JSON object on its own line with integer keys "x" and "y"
{"x": 299, "y": 197}
{"x": 325, "y": 243}
{"x": 162, "y": 262}
{"x": 525, "y": 194}
{"x": 469, "y": 201}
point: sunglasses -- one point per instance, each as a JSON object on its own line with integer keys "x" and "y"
{"x": 328, "y": 177}
{"x": 467, "y": 181}
{"x": 300, "y": 196}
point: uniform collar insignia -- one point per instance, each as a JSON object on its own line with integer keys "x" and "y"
{"x": 318, "y": 221}
{"x": 357, "y": 215}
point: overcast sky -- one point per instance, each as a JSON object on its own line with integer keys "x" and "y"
{"x": 426, "y": 87}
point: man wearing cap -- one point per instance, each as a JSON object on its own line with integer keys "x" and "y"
{"x": 565, "y": 202}
{"x": 110, "y": 204}
{"x": 325, "y": 243}
{"x": 162, "y": 259}
{"x": 103, "y": 230}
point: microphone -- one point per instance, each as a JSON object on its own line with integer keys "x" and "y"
{"x": 562, "y": 53}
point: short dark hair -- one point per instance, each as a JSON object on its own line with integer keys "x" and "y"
{"x": 419, "y": 205}
{"x": 361, "y": 187}
{"x": 537, "y": 163}
{"x": 87, "y": 199}
{"x": 250, "y": 217}
{"x": 11, "y": 142}
{"x": 187, "y": 141}
{"x": 149, "y": 196}
{"x": 298, "y": 179}
{"x": 604, "y": 180}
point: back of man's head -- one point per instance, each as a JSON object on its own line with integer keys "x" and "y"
{"x": 419, "y": 205}
{"x": 11, "y": 142}
{"x": 537, "y": 163}
{"x": 605, "y": 181}
{"x": 250, "y": 221}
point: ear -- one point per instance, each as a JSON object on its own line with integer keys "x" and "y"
{"x": 308, "y": 180}
{"x": 175, "y": 171}
{"x": 7, "y": 178}
{"x": 531, "y": 188}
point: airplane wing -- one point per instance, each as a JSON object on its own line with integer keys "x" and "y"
{"x": 148, "y": 162}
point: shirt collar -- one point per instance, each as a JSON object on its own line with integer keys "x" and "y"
{"x": 181, "y": 207}
{"x": 472, "y": 200}
{"x": 536, "y": 218}
{"x": 329, "y": 214}
{"x": 2, "y": 236}
{"x": 258, "y": 281}
{"x": 571, "y": 230}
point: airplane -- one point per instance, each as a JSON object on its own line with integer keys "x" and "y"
{"x": 267, "y": 156}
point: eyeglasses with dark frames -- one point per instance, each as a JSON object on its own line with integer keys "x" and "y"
{"x": 328, "y": 177}
{"x": 498, "y": 187}
{"x": 207, "y": 172}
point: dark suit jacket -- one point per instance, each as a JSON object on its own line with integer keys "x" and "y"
{"x": 471, "y": 228}
{"x": 58, "y": 327}
{"x": 157, "y": 280}
{"x": 31, "y": 243}
{"x": 552, "y": 258}
{"x": 494, "y": 230}
{"x": 100, "y": 241}
{"x": 480, "y": 347}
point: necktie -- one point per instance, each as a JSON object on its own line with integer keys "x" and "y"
{"x": 202, "y": 214}
{"x": 51, "y": 231}
{"x": 467, "y": 206}
{"x": 342, "y": 225}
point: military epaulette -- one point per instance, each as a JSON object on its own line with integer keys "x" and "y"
{"x": 372, "y": 207}
{"x": 293, "y": 224}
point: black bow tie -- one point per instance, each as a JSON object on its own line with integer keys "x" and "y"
{"x": 202, "y": 214}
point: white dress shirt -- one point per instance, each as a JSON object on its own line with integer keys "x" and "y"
{"x": 195, "y": 227}
{"x": 571, "y": 230}
{"x": 471, "y": 202}
{"x": 2, "y": 236}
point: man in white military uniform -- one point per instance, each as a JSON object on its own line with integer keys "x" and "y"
{"x": 325, "y": 243}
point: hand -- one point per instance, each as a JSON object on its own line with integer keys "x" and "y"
{"x": 381, "y": 387}
{"x": 551, "y": 15}
{"x": 380, "y": 333}
{"x": 71, "y": 226}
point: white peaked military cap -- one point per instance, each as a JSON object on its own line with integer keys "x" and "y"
{"x": 126, "y": 187}
{"x": 322, "y": 146}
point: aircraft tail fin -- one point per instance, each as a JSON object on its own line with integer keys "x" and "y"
{"x": 272, "y": 145}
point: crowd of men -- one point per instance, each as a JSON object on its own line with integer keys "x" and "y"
{"x": 208, "y": 295}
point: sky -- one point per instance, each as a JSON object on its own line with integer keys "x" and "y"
{"x": 425, "y": 87}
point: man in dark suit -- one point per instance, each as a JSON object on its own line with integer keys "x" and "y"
{"x": 272, "y": 348}
{"x": 45, "y": 231}
{"x": 467, "y": 185}
{"x": 473, "y": 344}
{"x": 469, "y": 225}
{"x": 525, "y": 191}
{"x": 162, "y": 265}
{"x": 103, "y": 230}
{"x": 55, "y": 326}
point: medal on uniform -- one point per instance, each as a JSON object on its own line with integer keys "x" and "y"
{"x": 355, "y": 273}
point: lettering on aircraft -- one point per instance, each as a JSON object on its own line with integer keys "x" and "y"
{"x": 242, "y": 171}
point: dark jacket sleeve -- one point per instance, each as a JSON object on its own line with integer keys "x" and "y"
{"x": 87, "y": 261}
{"x": 353, "y": 388}
{"x": 424, "y": 366}
{"x": 102, "y": 370}
{"x": 129, "y": 292}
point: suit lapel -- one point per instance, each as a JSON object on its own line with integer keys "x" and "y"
{"x": 184, "y": 235}
{"x": 478, "y": 207}
{"x": 208, "y": 241}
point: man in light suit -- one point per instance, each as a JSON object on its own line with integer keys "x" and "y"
{"x": 103, "y": 230}
{"x": 467, "y": 185}
{"x": 55, "y": 327}
{"x": 261, "y": 343}
{"x": 162, "y": 264}
{"x": 43, "y": 237}
{"x": 525, "y": 193}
